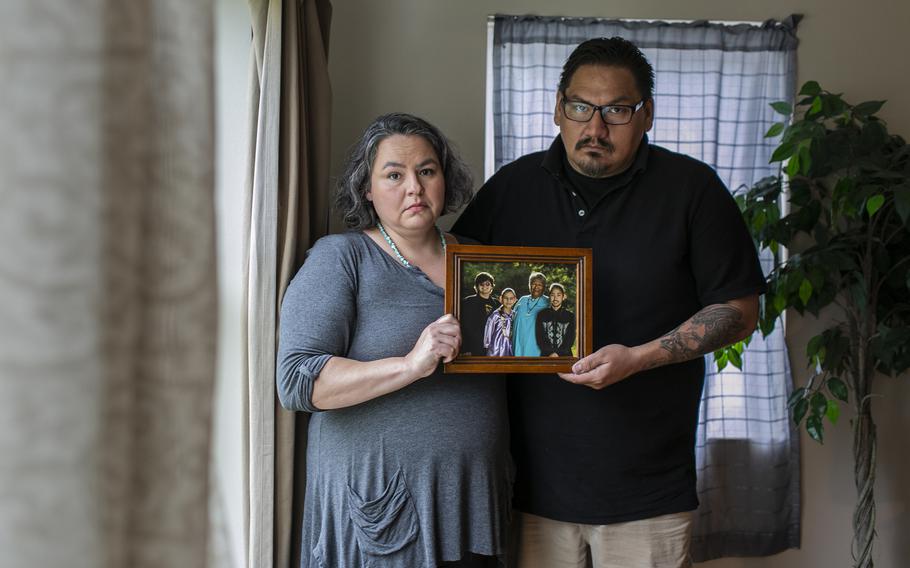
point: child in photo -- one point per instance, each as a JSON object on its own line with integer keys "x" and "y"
{"x": 556, "y": 325}
{"x": 497, "y": 334}
{"x": 475, "y": 310}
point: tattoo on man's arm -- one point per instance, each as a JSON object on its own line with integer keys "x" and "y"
{"x": 708, "y": 330}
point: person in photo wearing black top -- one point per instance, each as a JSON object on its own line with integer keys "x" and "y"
{"x": 475, "y": 310}
{"x": 605, "y": 454}
{"x": 556, "y": 326}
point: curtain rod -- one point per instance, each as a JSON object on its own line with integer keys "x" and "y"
{"x": 792, "y": 20}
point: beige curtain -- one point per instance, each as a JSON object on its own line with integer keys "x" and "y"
{"x": 107, "y": 280}
{"x": 286, "y": 211}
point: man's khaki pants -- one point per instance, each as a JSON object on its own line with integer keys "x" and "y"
{"x": 661, "y": 542}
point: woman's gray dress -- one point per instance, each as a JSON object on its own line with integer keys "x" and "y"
{"x": 408, "y": 479}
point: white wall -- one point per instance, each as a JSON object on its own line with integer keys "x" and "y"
{"x": 232, "y": 47}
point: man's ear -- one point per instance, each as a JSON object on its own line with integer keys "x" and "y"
{"x": 556, "y": 108}
{"x": 649, "y": 114}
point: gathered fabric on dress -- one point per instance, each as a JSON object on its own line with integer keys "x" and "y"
{"x": 412, "y": 478}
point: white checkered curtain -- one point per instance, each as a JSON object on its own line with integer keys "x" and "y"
{"x": 714, "y": 83}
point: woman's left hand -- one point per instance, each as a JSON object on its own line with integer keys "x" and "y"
{"x": 439, "y": 340}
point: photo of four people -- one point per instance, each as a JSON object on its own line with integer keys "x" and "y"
{"x": 540, "y": 323}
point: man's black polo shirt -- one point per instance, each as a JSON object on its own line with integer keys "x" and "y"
{"x": 668, "y": 240}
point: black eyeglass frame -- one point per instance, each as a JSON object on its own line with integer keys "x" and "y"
{"x": 600, "y": 109}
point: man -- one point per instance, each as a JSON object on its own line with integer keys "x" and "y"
{"x": 524, "y": 337}
{"x": 605, "y": 454}
{"x": 556, "y": 326}
{"x": 475, "y": 310}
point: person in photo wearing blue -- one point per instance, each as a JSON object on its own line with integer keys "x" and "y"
{"x": 526, "y": 310}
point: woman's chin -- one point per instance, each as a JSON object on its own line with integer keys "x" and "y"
{"x": 417, "y": 221}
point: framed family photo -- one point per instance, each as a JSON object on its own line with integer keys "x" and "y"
{"x": 521, "y": 309}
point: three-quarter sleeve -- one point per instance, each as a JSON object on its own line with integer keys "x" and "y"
{"x": 318, "y": 317}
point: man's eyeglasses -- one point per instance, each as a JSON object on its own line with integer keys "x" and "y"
{"x": 580, "y": 111}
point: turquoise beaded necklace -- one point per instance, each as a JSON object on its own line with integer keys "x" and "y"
{"x": 403, "y": 260}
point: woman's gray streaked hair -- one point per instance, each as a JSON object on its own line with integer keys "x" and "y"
{"x": 350, "y": 191}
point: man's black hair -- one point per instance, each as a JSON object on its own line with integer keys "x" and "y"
{"x": 483, "y": 277}
{"x": 611, "y": 52}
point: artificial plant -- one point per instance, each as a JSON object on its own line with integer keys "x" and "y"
{"x": 846, "y": 181}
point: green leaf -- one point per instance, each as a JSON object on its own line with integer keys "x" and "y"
{"x": 818, "y": 404}
{"x": 758, "y": 222}
{"x": 775, "y": 129}
{"x": 813, "y": 346}
{"x": 805, "y": 291}
{"x": 838, "y": 389}
{"x": 796, "y": 396}
{"x": 793, "y": 165}
{"x": 783, "y": 152}
{"x": 736, "y": 359}
{"x": 816, "y": 429}
{"x": 867, "y": 108}
{"x": 768, "y": 322}
{"x": 780, "y": 303}
{"x": 816, "y": 106}
{"x": 833, "y": 104}
{"x": 805, "y": 158}
{"x": 810, "y": 89}
{"x": 832, "y": 411}
{"x": 782, "y": 108}
{"x": 874, "y": 203}
{"x": 800, "y": 410}
{"x": 720, "y": 357}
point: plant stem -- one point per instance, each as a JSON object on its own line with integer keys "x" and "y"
{"x": 864, "y": 435}
{"x": 864, "y": 445}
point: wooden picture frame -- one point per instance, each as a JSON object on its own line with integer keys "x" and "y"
{"x": 514, "y": 265}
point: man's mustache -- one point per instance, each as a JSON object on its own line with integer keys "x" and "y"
{"x": 591, "y": 141}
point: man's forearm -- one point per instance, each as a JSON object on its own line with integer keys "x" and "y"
{"x": 709, "y": 329}
{"x": 715, "y": 326}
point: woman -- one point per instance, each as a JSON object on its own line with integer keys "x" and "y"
{"x": 407, "y": 467}
{"x": 497, "y": 334}
{"x": 524, "y": 336}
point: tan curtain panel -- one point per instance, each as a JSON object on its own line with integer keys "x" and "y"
{"x": 107, "y": 280}
{"x": 286, "y": 211}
